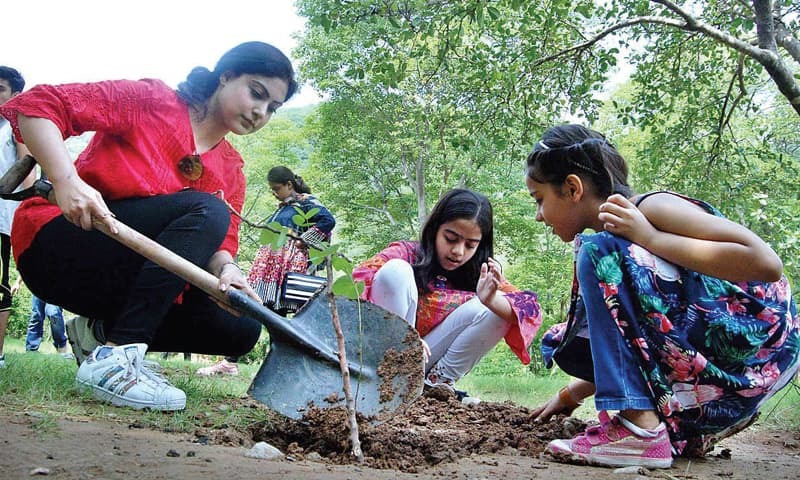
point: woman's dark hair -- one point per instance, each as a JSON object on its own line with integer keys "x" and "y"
{"x": 575, "y": 149}
{"x": 282, "y": 174}
{"x": 251, "y": 57}
{"x": 13, "y": 77}
{"x": 456, "y": 204}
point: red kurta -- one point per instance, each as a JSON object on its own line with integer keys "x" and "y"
{"x": 143, "y": 130}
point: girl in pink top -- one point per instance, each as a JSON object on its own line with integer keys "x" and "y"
{"x": 160, "y": 163}
{"x": 449, "y": 287}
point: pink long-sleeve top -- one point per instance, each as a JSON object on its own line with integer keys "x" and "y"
{"x": 436, "y": 305}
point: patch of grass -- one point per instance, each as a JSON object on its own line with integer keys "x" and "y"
{"x": 41, "y": 385}
{"x": 45, "y": 424}
{"x": 782, "y": 411}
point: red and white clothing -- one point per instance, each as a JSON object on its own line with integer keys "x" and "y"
{"x": 128, "y": 157}
{"x": 143, "y": 131}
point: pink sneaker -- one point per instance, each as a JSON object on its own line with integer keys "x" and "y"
{"x": 611, "y": 444}
{"x": 223, "y": 367}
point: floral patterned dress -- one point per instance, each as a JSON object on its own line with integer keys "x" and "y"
{"x": 710, "y": 350}
{"x": 270, "y": 265}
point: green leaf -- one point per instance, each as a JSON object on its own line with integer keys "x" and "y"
{"x": 282, "y": 238}
{"x": 276, "y": 239}
{"x": 319, "y": 256}
{"x": 299, "y": 220}
{"x": 345, "y": 287}
{"x": 342, "y": 265}
{"x": 267, "y": 237}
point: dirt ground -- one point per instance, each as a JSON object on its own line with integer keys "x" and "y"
{"x": 436, "y": 437}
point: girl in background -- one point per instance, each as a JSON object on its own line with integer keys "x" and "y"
{"x": 271, "y": 265}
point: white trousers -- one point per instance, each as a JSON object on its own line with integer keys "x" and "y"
{"x": 459, "y": 342}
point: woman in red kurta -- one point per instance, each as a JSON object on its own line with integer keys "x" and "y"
{"x": 451, "y": 290}
{"x": 158, "y": 162}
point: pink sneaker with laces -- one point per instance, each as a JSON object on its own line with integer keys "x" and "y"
{"x": 612, "y": 444}
{"x": 223, "y": 367}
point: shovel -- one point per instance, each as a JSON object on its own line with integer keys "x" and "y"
{"x": 302, "y": 371}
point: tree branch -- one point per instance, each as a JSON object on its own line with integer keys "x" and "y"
{"x": 606, "y": 32}
{"x": 787, "y": 41}
{"x": 769, "y": 59}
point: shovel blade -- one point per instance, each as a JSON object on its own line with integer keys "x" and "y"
{"x": 384, "y": 360}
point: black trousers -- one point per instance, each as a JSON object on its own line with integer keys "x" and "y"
{"x": 93, "y": 275}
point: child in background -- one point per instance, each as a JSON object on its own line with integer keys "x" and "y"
{"x": 41, "y": 311}
{"x": 450, "y": 289}
{"x": 271, "y": 265}
{"x": 680, "y": 319}
{"x": 11, "y": 151}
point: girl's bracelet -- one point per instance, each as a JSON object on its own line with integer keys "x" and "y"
{"x": 226, "y": 264}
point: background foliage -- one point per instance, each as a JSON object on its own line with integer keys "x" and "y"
{"x": 426, "y": 95}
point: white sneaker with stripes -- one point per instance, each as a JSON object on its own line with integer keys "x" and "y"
{"x": 119, "y": 375}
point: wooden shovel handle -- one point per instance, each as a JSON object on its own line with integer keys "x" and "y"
{"x": 163, "y": 257}
{"x": 16, "y": 174}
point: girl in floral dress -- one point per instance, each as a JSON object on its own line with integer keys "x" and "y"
{"x": 448, "y": 286}
{"x": 680, "y": 319}
{"x": 271, "y": 265}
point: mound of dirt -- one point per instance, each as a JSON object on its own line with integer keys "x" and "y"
{"x": 435, "y": 428}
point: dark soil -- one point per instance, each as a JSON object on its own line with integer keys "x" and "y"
{"x": 435, "y": 428}
{"x": 436, "y": 437}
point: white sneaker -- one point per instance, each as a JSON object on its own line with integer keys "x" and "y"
{"x": 223, "y": 367}
{"x": 81, "y": 337}
{"x": 67, "y": 355}
{"x": 2, "y": 361}
{"x": 119, "y": 375}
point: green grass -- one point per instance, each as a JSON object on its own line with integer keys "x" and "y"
{"x": 41, "y": 386}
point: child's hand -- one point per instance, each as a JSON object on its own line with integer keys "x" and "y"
{"x": 490, "y": 280}
{"x": 621, "y": 217}
{"x": 426, "y": 352}
{"x": 561, "y": 403}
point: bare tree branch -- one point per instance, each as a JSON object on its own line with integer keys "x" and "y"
{"x": 765, "y": 54}
{"x": 606, "y": 32}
